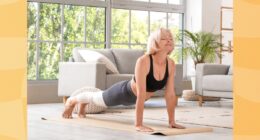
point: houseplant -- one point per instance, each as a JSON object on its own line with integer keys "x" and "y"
{"x": 202, "y": 47}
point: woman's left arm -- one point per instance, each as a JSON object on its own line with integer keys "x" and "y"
{"x": 170, "y": 96}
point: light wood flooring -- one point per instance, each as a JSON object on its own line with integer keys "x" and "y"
{"x": 44, "y": 130}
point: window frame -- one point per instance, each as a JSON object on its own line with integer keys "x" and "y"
{"x": 108, "y": 5}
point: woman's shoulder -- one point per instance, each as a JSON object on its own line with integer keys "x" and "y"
{"x": 170, "y": 61}
{"x": 144, "y": 59}
{"x": 143, "y": 64}
{"x": 171, "y": 64}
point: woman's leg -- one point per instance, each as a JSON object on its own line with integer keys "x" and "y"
{"x": 119, "y": 94}
{"x": 69, "y": 106}
{"x": 82, "y": 111}
{"x": 95, "y": 98}
{"x": 83, "y": 99}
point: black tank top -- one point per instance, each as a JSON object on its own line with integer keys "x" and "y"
{"x": 152, "y": 84}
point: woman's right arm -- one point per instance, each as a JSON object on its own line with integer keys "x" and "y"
{"x": 140, "y": 76}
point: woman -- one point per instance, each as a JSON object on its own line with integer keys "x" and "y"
{"x": 153, "y": 71}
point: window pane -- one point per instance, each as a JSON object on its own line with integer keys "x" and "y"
{"x": 159, "y": 1}
{"x": 95, "y": 24}
{"x": 120, "y": 26}
{"x": 49, "y": 60}
{"x": 176, "y": 55}
{"x": 73, "y": 28}
{"x": 175, "y": 25}
{"x": 157, "y": 20}
{"x": 50, "y": 21}
{"x": 140, "y": 47}
{"x": 31, "y": 61}
{"x": 139, "y": 27}
{"x": 119, "y": 46}
{"x": 178, "y": 2}
{"x": 96, "y": 46}
{"x": 31, "y": 20}
{"x": 67, "y": 52}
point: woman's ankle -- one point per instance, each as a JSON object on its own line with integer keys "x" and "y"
{"x": 72, "y": 101}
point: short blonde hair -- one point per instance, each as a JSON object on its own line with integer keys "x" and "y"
{"x": 154, "y": 39}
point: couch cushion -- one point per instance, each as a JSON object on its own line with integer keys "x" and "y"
{"x": 106, "y": 52}
{"x": 126, "y": 59}
{"x": 217, "y": 82}
{"x": 114, "y": 78}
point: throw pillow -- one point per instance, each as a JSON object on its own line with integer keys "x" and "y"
{"x": 92, "y": 56}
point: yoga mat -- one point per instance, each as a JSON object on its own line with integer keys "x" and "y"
{"x": 203, "y": 116}
{"x": 127, "y": 124}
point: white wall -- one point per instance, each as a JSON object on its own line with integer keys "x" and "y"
{"x": 203, "y": 15}
{"x": 211, "y": 16}
{"x": 194, "y": 15}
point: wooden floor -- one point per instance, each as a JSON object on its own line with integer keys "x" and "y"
{"x": 44, "y": 130}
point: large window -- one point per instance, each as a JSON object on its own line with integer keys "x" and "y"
{"x": 130, "y": 28}
{"x": 54, "y": 29}
{"x": 163, "y": 1}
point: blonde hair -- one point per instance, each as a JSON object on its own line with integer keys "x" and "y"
{"x": 154, "y": 39}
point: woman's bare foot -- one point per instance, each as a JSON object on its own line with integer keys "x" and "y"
{"x": 82, "y": 113}
{"x": 143, "y": 129}
{"x": 69, "y": 106}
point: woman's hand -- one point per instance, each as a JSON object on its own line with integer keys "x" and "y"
{"x": 143, "y": 129}
{"x": 174, "y": 125}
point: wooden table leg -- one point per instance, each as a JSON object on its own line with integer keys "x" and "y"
{"x": 200, "y": 100}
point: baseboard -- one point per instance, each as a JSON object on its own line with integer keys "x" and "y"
{"x": 39, "y": 92}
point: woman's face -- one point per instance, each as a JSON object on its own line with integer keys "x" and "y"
{"x": 166, "y": 42}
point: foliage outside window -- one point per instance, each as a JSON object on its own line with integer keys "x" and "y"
{"x": 55, "y": 29}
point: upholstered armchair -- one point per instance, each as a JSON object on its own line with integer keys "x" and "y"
{"x": 214, "y": 80}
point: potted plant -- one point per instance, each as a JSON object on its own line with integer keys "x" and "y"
{"x": 202, "y": 47}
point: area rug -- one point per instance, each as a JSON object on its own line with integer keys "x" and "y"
{"x": 117, "y": 122}
{"x": 204, "y": 116}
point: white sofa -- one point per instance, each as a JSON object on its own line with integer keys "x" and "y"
{"x": 77, "y": 74}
